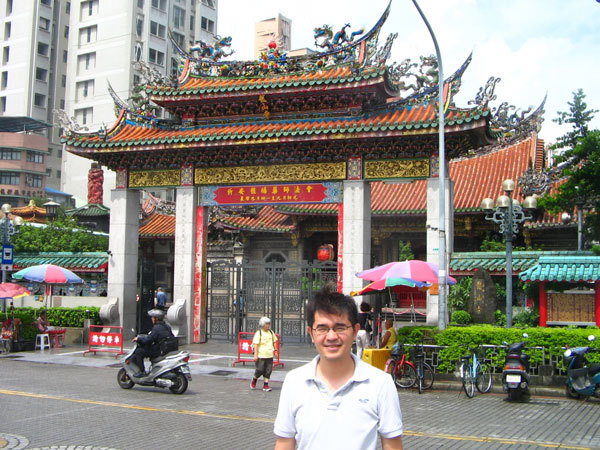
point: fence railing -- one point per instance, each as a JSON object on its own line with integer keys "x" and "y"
{"x": 547, "y": 365}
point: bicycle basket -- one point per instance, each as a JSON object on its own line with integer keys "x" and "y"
{"x": 480, "y": 353}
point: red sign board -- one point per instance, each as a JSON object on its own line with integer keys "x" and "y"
{"x": 271, "y": 194}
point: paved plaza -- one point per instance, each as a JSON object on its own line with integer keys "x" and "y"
{"x": 63, "y": 400}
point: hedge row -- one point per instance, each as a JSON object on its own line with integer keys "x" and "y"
{"x": 459, "y": 339}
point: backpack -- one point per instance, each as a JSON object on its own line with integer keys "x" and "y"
{"x": 168, "y": 344}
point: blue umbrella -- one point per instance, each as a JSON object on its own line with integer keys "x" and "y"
{"x": 47, "y": 273}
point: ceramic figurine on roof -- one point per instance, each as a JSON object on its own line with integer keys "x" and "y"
{"x": 324, "y": 34}
{"x": 213, "y": 52}
{"x": 272, "y": 60}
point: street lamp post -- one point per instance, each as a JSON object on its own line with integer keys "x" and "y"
{"x": 51, "y": 209}
{"x": 508, "y": 214}
{"x": 442, "y": 253}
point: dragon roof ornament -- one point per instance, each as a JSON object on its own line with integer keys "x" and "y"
{"x": 340, "y": 48}
{"x": 507, "y": 120}
{"x": 68, "y": 124}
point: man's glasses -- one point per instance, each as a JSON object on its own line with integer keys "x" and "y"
{"x": 338, "y": 329}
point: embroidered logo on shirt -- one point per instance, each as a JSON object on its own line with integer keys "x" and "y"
{"x": 363, "y": 400}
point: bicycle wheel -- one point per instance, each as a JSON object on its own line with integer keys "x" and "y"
{"x": 428, "y": 376}
{"x": 467, "y": 381}
{"x": 483, "y": 379}
{"x": 404, "y": 376}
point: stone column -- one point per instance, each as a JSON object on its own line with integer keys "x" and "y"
{"x": 433, "y": 236}
{"x": 185, "y": 240}
{"x": 123, "y": 261}
{"x": 356, "y": 217}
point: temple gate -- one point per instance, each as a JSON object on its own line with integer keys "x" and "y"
{"x": 338, "y": 118}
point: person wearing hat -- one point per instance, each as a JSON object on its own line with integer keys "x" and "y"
{"x": 264, "y": 345}
{"x": 149, "y": 346}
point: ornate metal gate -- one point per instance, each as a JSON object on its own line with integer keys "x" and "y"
{"x": 240, "y": 294}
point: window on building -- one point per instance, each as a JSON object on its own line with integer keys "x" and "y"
{"x": 140, "y": 3}
{"x": 5, "y": 54}
{"x": 179, "y": 38}
{"x": 10, "y": 154}
{"x": 68, "y": 8}
{"x": 139, "y": 25}
{"x": 58, "y": 174}
{"x": 160, "y": 4}
{"x": 43, "y": 49}
{"x": 59, "y": 153}
{"x": 65, "y": 55}
{"x": 48, "y": 172}
{"x": 89, "y": 8}
{"x": 191, "y": 23}
{"x": 136, "y": 80}
{"x": 46, "y": 2}
{"x": 4, "y": 80}
{"x": 66, "y": 31}
{"x": 41, "y": 74}
{"x": 178, "y": 17}
{"x": 7, "y": 29}
{"x": 62, "y": 103}
{"x": 210, "y": 3}
{"x": 207, "y": 25}
{"x": 63, "y": 81}
{"x": 2, "y": 104}
{"x": 88, "y": 34}
{"x": 84, "y": 116}
{"x": 85, "y": 62}
{"x": 44, "y": 24}
{"x": 33, "y": 180}
{"x": 156, "y": 57}
{"x": 174, "y": 66}
{"x": 139, "y": 51}
{"x": 10, "y": 178}
{"x": 85, "y": 89}
{"x": 9, "y": 7}
{"x": 156, "y": 29}
{"x": 39, "y": 100}
{"x": 35, "y": 157}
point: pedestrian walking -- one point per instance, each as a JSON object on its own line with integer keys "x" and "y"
{"x": 363, "y": 338}
{"x": 337, "y": 401}
{"x": 161, "y": 299}
{"x": 264, "y": 344}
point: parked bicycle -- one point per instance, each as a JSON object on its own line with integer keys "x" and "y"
{"x": 404, "y": 372}
{"x": 473, "y": 373}
{"x": 425, "y": 374}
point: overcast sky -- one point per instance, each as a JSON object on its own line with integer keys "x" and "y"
{"x": 534, "y": 46}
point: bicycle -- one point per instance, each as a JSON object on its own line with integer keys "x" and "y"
{"x": 425, "y": 374}
{"x": 473, "y": 373}
{"x": 404, "y": 372}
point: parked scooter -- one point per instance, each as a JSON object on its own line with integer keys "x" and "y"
{"x": 515, "y": 376}
{"x": 583, "y": 379}
{"x": 167, "y": 371}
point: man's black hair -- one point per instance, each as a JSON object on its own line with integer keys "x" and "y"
{"x": 365, "y": 307}
{"x": 330, "y": 301}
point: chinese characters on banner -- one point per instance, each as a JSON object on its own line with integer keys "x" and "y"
{"x": 329, "y": 192}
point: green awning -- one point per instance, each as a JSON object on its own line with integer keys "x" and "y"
{"x": 571, "y": 269}
{"x": 74, "y": 261}
{"x": 495, "y": 262}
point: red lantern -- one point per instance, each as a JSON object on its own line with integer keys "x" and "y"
{"x": 325, "y": 252}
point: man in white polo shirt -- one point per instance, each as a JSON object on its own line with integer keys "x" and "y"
{"x": 336, "y": 400}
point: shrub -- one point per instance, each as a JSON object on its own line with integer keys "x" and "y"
{"x": 527, "y": 319}
{"x": 458, "y": 295}
{"x": 61, "y": 317}
{"x": 461, "y": 317}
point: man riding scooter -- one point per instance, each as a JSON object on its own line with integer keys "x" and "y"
{"x": 149, "y": 346}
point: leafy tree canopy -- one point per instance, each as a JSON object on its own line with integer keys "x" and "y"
{"x": 62, "y": 235}
{"x": 579, "y": 163}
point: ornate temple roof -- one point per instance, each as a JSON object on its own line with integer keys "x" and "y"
{"x": 572, "y": 269}
{"x": 75, "y": 261}
{"x": 90, "y": 210}
{"x": 30, "y": 213}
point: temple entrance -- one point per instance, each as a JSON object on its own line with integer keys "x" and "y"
{"x": 240, "y": 294}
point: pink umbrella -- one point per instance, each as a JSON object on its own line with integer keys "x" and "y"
{"x": 13, "y": 290}
{"x": 414, "y": 269}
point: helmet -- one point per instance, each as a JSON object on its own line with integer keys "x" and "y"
{"x": 158, "y": 313}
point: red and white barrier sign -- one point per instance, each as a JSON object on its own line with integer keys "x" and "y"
{"x": 105, "y": 339}
{"x": 245, "y": 348}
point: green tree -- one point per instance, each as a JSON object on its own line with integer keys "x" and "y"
{"x": 62, "y": 235}
{"x": 579, "y": 164}
{"x": 405, "y": 251}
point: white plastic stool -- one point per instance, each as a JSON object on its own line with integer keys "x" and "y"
{"x": 42, "y": 341}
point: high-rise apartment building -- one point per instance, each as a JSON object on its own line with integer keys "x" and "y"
{"x": 278, "y": 29}
{"x": 33, "y": 57}
{"x": 107, "y": 37}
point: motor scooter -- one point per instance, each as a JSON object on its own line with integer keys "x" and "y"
{"x": 515, "y": 376}
{"x": 583, "y": 378}
{"x": 170, "y": 370}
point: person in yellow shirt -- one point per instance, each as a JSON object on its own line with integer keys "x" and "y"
{"x": 389, "y": 338}
{"x": 264, "y": 345}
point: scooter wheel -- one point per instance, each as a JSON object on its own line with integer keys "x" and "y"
{"x": 572, "y": 393}
{"x": 124, "y": 380}
{"x": 514, "y": 395}
{"x": 180, "y": 384}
